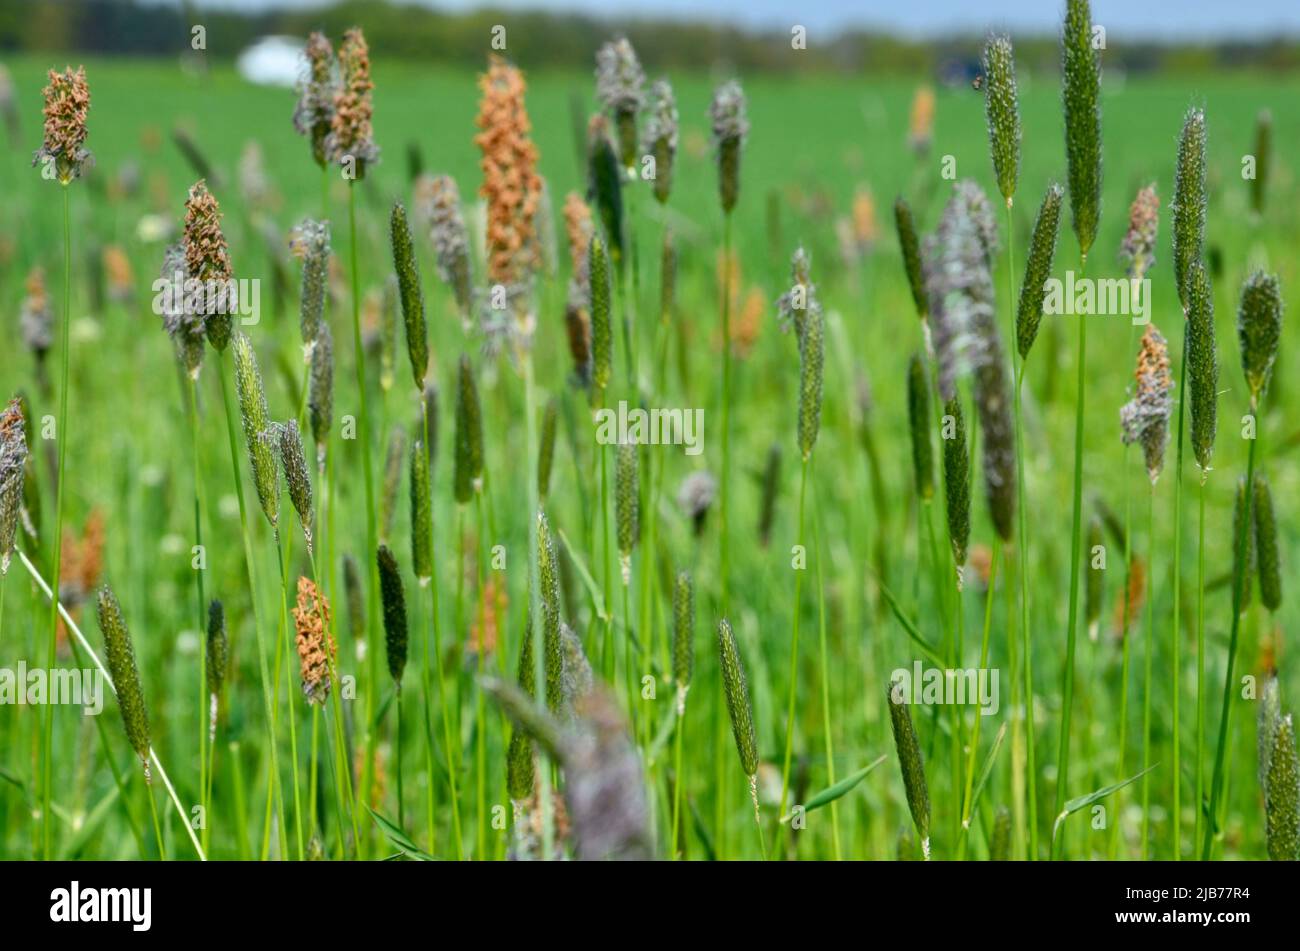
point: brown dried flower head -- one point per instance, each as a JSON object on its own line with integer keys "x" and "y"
{"x": 352, "y": 138}
{"x": 1145, "y": 418}
{"x": 316, "y": 648}
{"x": 67, "y": 100}
{"x": 314, "y": 114}
{"x": 1139, "y": 247}
{"x": 511, "y": 184}
{"x": 207, "y": 260}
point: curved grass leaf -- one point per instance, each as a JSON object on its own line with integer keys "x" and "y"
{"x": 831, "y": 793}
{"x": 1083, "y": 802}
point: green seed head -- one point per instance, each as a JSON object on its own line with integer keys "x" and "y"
{"x": 546, "y": 451}
{"x": 421, "y": 514}
{"x": 548, "y": 577}
{"x": 1282, "y": 795}
{"x": 310, "y": 242}
{"x": 661, "y": 136}
{"x": 811, "y": 359}
{"x": 320, "y": 393}
{"x": 909, "y": 759}
{"x": 1002, "y": 110}
{"x": 218, "y": 648}
{"x": 918, "y": 414}
{"x": 469, "y": 435}
{"x": 1202, "y": 364}
{"x": 394, "y": 602}
{"x": 1190, "y": 201}
{"x": 627, "y": 501}
{"x": 1038, "y": 268}
{"x": 1266, "y": 554}
{"x": 683, "y": 636}
{"x": 1270, "y": 714}
{"x": 1243, "y": 559}
{"x": 519, "y": 754}
{"x": 410, "y": 294}
{"x": 739, "y": 708}
{"x": 259, "y": 435}
{"x": 605, "y": 184}
{"x": 602, "y": 341}
{"x": 1081, "y": 69}
{"x": 730, "y": 127}
{"x": 1263, "y": 150}
{"x": 911, "y": 248}
{"x": 120, "y": 656}
{"x": 956, "y": 479}
{"x": 1259, "y": 328}
{"x": 296, "y": 475}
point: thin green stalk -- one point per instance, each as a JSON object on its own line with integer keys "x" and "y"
{"x": 724, "y": 489}
{"x": 47, "y": 743}
{"x": 1175, "y": 634}
{"x": 677, "y": 780}
{"x": 794, "y": 648}
{"x": 1148, "y": 636}
{"x": 363, "y": 435}
{"x": 1200, "y": 660}
{"x": 157, "y": 826}
{"x": 397, "y": 751}
{"x": 480, "y": 729}
{"x": 1124, "y": 637}
{"x": 274, "y": 789}
{"x": 201, "y": 605}
{"x": 973, "y": 746}
{"x": 1238, "y": 586}
{"x": 825, "y": 678}
{"x": 1076, "y": 527}
{"x": 282, "y": 559}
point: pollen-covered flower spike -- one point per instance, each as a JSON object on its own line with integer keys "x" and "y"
{"x": 1002, "y": 112}
{"x": 207, "y": 259}
{"x": 1145, "y": 418}
{"x": 67, "y": 100}
{"x": 730, "y": 127}
{"x": 620, "y": 82}
{"x": 316, "y": 648}
{"x": 314, "y": 114}
{"x": 351, "y": 141}
{"x": 13, "y": 466}
{"x": 1138, "y": 250}
{"x": 661, "y": 136}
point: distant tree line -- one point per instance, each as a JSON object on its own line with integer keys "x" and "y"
{"x": 538, "y": 39}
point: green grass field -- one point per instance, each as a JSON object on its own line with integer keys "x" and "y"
{"x": 814, "y": 143}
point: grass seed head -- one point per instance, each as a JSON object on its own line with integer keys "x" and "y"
{"x": 661, "y": 136}
{"x": 1081, "y": 70}
{"x": 320, "y": 391}
{"x": 739, "y": 708}
{"x": 1282, "y": 795}
{"x": 316, "y": 648}
{"x": 181, "y": 321}
{"x": 683, "y": 636}
{"x": 1259, "y": 330}
{"x": 296, "y": 475}
{"x": 956, "y": 480}
{"x": 812, "y": 357}
{"x": 1002, "y": 111}
{"x": 1138, "y": 249}
{"x": 352, "y": 137}
{"x": 546, "y": 449}
{"x": 120, "y": 657}
{"x": 259, "y": 434}
{"x": 548, "y": 577}
{"x": 310, "y": 243}
{"x": 620, "y": 84}
{"x": 911, "y": 249}
{"x": 602, "y": 340}
{"x": 207, "y": 259}
{"x": 511, "y": 184}
{"x": 1190, "y": 201}
{"x": 218, "y": 648}
{"x": 1145, "y": 418}
{"x": 469, "y": 435}
{"x": 918, "y": 415}
{"x": 67, "y": 101}
{"x": 313, "y": 116}
{"x": 909, "y": 760}
{"x": 13, "y": 467}
{"x": 605, "y": 185}
{"x": 627, "y": 493}
{"x": 1038, "y": 268}
{"x": 730, "y": 128}
{"x": 421, "y": 514}
{"x": 520, "y": 765}
{"x": 410, "y": 294}
{"x": 1266, "y": 552}
{"x": 1270, "y": 714}
{"x": 394, "y": 603}
{"x": 451, "y": 244}
{"x": 1202, "y": 364}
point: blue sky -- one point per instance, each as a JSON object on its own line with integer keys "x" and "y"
{"x": 1145, "y": 19}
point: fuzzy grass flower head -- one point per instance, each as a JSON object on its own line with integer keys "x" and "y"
{"x": 309, "y": 242}
{"x": 67, "y": 101}
{"x": 1145, "y": 418}
{"x": 730, "y": 127}
{"x": 316, "y": 648}
{"x": 13, "y": 466}
{"x": 182, "y": 322}
{"x": 319, "y": 84}
{"x": 1081, "y": 89}
{"x": 451, "y": 243}
{"x": 661, "y": 136}
{"x": 352, "y": 137}
{"x": 794, "y": 306}
{"x": 207, "y": 260}
{"x": 1002, "y": 111}
{"x": 620, "y": 84}
{"x": 1138, "y": 250}
{"x": 1259, "y": 330}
